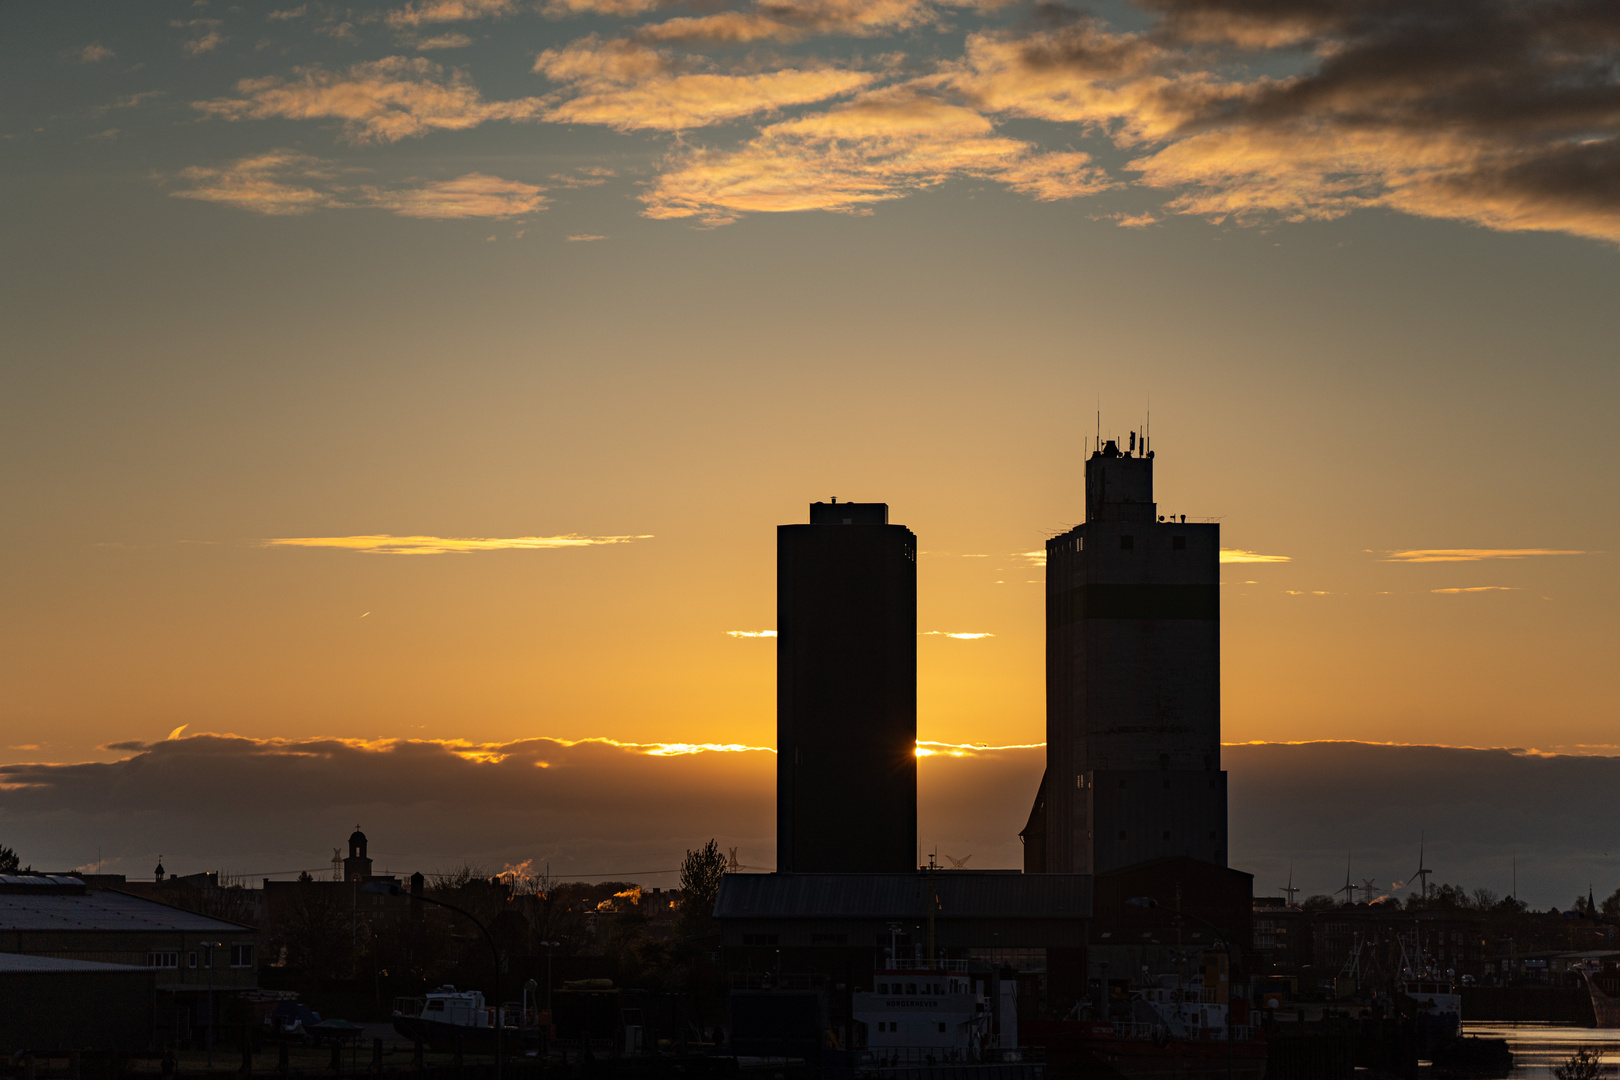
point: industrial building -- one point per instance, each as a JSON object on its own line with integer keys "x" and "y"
{"x": 74, "y": 1005}
{"x": 846, "y": 692}
{"x": 195, "y": 961}
{"x": 825, "y": 939}
{"x": 1133, "y": 724}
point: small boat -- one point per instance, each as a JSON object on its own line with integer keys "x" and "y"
{"x": 447, "y": 1019}
{"x": 1438, "y": 1007}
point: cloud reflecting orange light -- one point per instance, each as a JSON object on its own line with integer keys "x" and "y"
{"x": 384, "y": 544}
{"x": 1235, "y": 555}
{"x": 1428, "y": 555}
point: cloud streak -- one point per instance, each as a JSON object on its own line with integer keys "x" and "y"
{"x": 377, "y": 101}
{"x": 429, "y": 12}
{"x": 1433, "y": 555}
{"x": 384, "y": 544}
{"x": 284, "y": 183}
{"x": 1236, "y": 555}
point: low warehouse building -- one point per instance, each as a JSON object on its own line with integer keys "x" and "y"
{"x": 57, "y": 1005}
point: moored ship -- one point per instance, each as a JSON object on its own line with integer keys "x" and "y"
{"x": 1157, "y": 1031}
{"x": 1603, "y": 984}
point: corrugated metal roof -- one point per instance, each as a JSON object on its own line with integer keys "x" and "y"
{"x": 963, "y": 894}
{"x": 100, "y": 909}
{"x": 14, "y": 963}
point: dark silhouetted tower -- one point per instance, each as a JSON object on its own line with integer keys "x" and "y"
{"x": 1133, "y": 720}
{"x": 357, "y": 867}
{"x": 846, "y": 692}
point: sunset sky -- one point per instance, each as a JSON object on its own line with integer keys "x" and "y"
{"x": 441, "y": 369}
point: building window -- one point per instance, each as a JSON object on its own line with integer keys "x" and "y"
{"x": 1127, "y": 543}
{"x": 1167, "y": 834}
{"x": 191, "y": 958}
{"x": 163, "y": 959}
{"x": 942, "y": 1029}
{"x": 829, "y": 939}
{"x": 760, "y": 939}
{"x": 241, "y": 956}
{"x": 1122, "y": 834}
{"x": 1178, "y": 543}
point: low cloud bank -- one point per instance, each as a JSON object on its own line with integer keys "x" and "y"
{"x": 601, "y": 809}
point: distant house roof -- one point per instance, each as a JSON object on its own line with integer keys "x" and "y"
{"x": 100, "y": 909}
{"x": 962, "y": 894}
{"x": 15, "y": 963}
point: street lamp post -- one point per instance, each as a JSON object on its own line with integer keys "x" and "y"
{"x": 208, "y": 1032}
{"x": 390, "y": 888}
{"x": 1149, "y": 902}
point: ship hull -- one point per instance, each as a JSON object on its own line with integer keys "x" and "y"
{"x": 439, "y": 1036}
{"x": 1605, "y": 1006}
{"x": 1085, "y": 1047}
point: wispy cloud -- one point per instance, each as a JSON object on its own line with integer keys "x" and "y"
{"x": 626, "y": 86}
{"x": 287, "y": 183}
{"x": 444, "y": 41}
{"x": 1429, "y": 555}
{"x": 474, "y": 195}
{"x": 441, "y": 545}
{"x": 94, "y": 53}
{"x": 558, "y": 9}
{"x": 960, "y": 636}
{"x": 585, "y": 238}
{"x": 377, "y": 101}
{"x": 585, "y": 176}
{"x": 792, "y": 20}
{"x": 751, "y": 633}
{"x": 883, "y": 145}
{"x": 425, "y": 12}
{"x": 208, "y": 35}
{"x": 1479, "y": 588}
{"x": 1236, "y": 555}
{"x": 278, "y": 182}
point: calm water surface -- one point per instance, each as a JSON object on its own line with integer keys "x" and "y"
{"x": 1538, "y": 1048}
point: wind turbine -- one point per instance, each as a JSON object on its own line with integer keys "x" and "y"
{"x": 1349, "y": 890}
{"x": 1290, "y": 888}
{"x": 1422, "y": 871}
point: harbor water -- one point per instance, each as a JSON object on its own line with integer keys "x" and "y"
{"x": 1540, "y": 1048}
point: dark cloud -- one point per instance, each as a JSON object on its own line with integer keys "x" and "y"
{"x": 1498, "y": 112}
{"x": 256, "y": 806}
{"x": 599, "y": 809}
